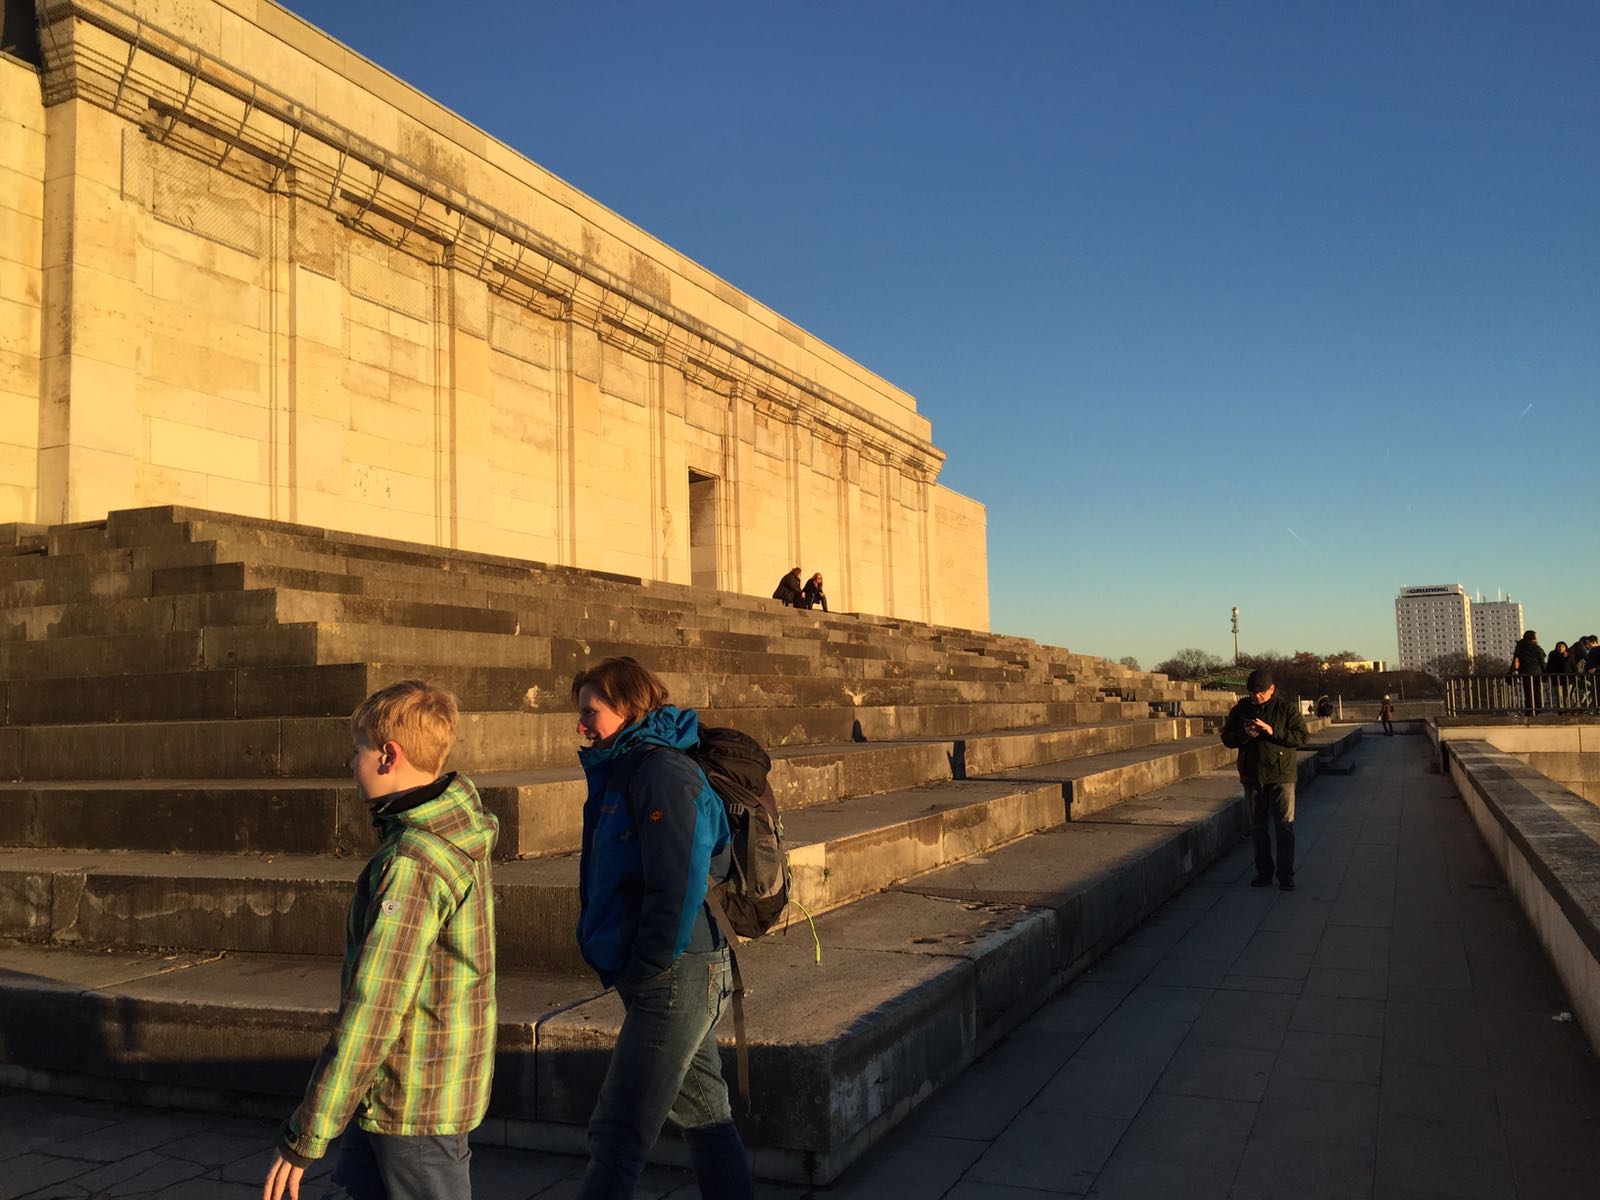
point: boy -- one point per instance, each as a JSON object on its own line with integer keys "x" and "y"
{"x": 412, "y": 1049}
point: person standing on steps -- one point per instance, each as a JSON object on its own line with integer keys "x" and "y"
{"x": 1386, "y": 715}
{"x": 655, "y": 835}
{"x": 1265, "y": 728}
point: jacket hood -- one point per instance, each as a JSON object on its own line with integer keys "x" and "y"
{"x": 674, "y": 728}
{"x": 457, "y": 815}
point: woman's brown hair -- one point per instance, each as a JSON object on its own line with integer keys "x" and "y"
{"x": 625, "y": 685}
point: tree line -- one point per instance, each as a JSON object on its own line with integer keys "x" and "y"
{"x": 1306, "y": 673}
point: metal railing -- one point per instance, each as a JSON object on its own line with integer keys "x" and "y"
{"x": 1527, "y": 695}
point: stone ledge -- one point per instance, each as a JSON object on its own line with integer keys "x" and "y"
{"x": 1546, "y": 840}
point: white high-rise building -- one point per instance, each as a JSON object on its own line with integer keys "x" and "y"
{"x": 1496, "y": 628}
{"x": 1431, "y": 621}
{"x": 1442, "y": 619}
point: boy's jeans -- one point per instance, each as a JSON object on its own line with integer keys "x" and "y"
{"x": 666, "y": 1065}
{"x": 378, "y": 1166}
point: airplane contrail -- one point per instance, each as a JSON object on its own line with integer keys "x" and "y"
{"x": 1300, "y": 539}
{"x": 1525, "y": 411}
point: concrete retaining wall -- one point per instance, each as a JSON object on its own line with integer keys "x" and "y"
{"x": 1547, "y": 842}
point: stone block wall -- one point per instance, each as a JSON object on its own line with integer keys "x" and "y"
{"x": 274, "y": 280}
{"x": 22, "y": 162}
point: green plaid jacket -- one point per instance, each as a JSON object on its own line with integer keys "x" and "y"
{"x": 412, "y": 1049}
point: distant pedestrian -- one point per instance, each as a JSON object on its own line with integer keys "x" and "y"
{"x": 1559, "y": 662}
{"x": 790, "y": 590}
{"x": 1527, "y": 660}
{"x": 1265, "y": 728}
{"x": 1577, "y": 654}
{"x": 815, "y": 597}
{"x": 1386, "y": 715}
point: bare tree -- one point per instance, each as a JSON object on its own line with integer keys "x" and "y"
{"x": 1130, "y": 662}
{"x": 1190, "y": 663}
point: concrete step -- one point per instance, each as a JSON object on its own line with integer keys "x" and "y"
{"x": 176, "y": 613}
{"x": 334, "y": 689}
{"x": 318, "y": 746}
{"x": 540, "y": 810}
{"x": 212, "y": 648}
{"x": 131, "y": 899}
{"x": 1093, "y": 783}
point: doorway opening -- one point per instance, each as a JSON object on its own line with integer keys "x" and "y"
{"x": 704, "y": 529}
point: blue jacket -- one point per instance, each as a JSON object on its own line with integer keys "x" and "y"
{"x": 642, "y": 877}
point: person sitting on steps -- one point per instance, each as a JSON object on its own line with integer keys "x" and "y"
{"x": 814, "y": 596}
{"x": 789, "y": 590}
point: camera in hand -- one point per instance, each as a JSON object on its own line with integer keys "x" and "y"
{"x": 1249, "y": 712}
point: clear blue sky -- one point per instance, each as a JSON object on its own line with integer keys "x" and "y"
{"x": 1276, "y": 304}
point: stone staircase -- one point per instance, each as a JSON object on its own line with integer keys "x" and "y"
{"x": 971, "y": 817}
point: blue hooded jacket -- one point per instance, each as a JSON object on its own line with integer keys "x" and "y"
{"x": 642, "y": 876}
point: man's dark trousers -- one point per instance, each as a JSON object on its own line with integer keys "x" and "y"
{"x": 1272, "y": 807}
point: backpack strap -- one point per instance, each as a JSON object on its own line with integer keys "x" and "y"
{"x": 741, "y": 1046}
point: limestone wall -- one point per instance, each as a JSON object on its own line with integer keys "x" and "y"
{"x": 277, "y": 281}
{"x": 22, "y": 169}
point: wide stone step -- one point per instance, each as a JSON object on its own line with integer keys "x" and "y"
{"x": 992, "y": 754}
{"x": 334, "y": 689}
{"x": 913, "y": 985}
{"x": 211, "y": 648}
{"x": 540, "y": 810}
{"x": 1091, "y": 784}
{"x": 176, "y": 613}
{"x": 110, "y": 573}
{"x": 127, "y": 900}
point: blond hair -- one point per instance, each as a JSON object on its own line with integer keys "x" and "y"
{"x": 626, "y": 685}
{"x": 419, "y": 717}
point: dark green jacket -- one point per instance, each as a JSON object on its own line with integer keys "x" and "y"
{"x": 1268, "y": 758}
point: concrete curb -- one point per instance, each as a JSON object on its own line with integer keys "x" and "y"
{"x": 1546, "y": 841}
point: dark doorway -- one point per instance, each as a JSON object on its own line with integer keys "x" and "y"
{"x": 704, "y": 529}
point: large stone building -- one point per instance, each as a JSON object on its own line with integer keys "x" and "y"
{"x": 1441, "y": 618}
{"x": 245, "y": 269}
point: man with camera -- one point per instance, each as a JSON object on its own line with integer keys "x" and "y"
{"x": 1265, "y": 728}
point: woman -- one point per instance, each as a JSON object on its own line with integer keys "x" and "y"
{"x": 813, "y": 594}
{"x": 653, "y": 833}
{"x": 1386, "y": 715}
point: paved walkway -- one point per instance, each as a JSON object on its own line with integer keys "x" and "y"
{"x": 1389, "y": 1030}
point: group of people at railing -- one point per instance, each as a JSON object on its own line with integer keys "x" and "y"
{"x": 1563, "y": 679}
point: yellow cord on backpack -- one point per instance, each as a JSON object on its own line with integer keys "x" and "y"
{"x": 813, "y": 925}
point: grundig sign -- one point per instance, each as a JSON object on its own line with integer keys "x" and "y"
{"x": 1429, "y": 591}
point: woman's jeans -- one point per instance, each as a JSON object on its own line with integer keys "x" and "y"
{"x": 666, "y": 1065}
{"x": 375, "y": 1166}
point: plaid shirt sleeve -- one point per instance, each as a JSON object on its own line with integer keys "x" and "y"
{"x": 388, "y": 959}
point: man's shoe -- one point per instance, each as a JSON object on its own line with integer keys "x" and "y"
{"x": 1261, "y": 881}
{"x": 1286, "y": 885}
